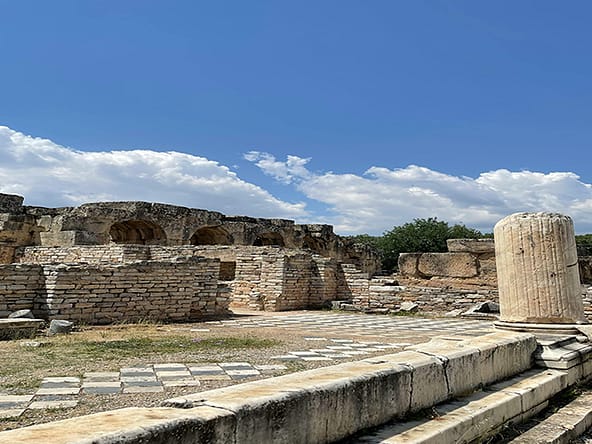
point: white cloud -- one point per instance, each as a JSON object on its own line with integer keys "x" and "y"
{"x": 382, "y": 198}
{"x": 285, "y": 172}
{"x": 51, "y": 175}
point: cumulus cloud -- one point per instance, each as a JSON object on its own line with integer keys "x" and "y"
{"x": 382, "y": 198}
{"x": 52, "y": 175}
{"x": 286, "y": 172}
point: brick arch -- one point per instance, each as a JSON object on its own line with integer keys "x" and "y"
{"x": 269, "y": 238}
{"x": 211, "y": 236}
{"x": 141, "y": 232}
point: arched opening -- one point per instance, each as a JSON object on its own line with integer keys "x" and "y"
{"x": 269, "y": 238}
{"x": 312, "y": 243}
{"x": 211, "y": 236}
{"x": 137, "y": 232}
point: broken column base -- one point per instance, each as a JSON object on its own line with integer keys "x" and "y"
{"x": 539, "y": 329}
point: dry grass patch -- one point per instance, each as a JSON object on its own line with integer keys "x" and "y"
{"x": 109, "y": 348}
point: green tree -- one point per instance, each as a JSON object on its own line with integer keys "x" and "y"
{"x": 421, "y": 235}
{"x": 584, "y": 239}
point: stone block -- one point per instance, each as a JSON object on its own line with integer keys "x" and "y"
{"x": 476, "y": 246}
{"x": 503, "y": 354}
{"x": 460, "y": 361}
{"x": 306, "y": 402}
{"x": 18, "y": 328}
{"x": 461, "y": 265}
{"x": 11, "y": 203}
{"x": 133, "y": 425}
{"x": 534, "y": 386}
{"x": 428, "y": 386}
{"x": 408, "y": 263}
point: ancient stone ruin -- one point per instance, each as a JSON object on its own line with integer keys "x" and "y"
{"x": 474, "y": 386}
{"x": 106, "y": 262}
{"x": 538, "y": 277}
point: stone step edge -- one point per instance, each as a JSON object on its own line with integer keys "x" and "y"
{"x": 481, "y": 414}
{"x": 563, "y": 426}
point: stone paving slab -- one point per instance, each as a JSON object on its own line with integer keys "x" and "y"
{"x": 360, "y": 325}
{"x": 59, "y": 404}
{"x": 58, "y": 391}
{"x": 139, "y": 389}
{"x": 11, "y": 413}
{"x": 64, "y": 392}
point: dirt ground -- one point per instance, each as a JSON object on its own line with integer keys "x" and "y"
{"x": 109, "y": 348}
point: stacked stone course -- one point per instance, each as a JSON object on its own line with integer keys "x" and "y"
{"x": 20, "y": 286}
{"x": 98, "y": 294}
{"x": 428, "y": 299}
{"x": 131, "y": 292}
{"x": 96, "y": 254}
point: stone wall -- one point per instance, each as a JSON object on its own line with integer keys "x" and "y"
{"x": 11, "y": 203}
{"x": 79, "y": 254}
{"x": 20, "y": 286}
{"x": 96, "y": 294}
{"x": 259, "y": 278}
{"x": 355, "y": 287}
{"x": 150, "y": 290}
{"x": 327, "y": 280}
{"x": 273, "y": 280}
{"x": 472, "y": 260}
{"x": 145, "y": 223}
{"x": 383, "y": 295}
{"x": 469, "y": 259}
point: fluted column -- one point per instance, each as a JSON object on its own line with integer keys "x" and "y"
{"x": 537, "y": 269}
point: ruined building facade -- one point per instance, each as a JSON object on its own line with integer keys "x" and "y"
{"x": 104, "y": 262}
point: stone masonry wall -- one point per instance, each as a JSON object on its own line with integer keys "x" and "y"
{"x": 325, "y": 281}
{"x": 297, "y": 278}
{"x": 428, "y": 299}
{"x": 95, "y": 254}
{"x": 355, "y": 286}
{"x": 97, "y": 294}
{"x": 132, "y": 292}
{"x": 257, "y": 277}
{"x": 20, "y": 286}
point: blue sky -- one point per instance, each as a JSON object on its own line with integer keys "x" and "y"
{"x": 362, "y": 114}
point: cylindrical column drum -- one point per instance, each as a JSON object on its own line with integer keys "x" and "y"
{"x": 537, "y": 269}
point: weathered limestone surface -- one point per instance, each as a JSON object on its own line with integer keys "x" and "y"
{"x": 426, "y": 265}
{"x": 537, "y": 267}
{"x": 260, "y": 278}
{"x": 408, "y": 263}
{"x": 20, "y": 286}
{"x": 166, "y": 225}
{"x": 10, "y": 203}
{"x": 476, "y": 246}
{"x": 171, "y": 291}
{"x": 447, "y": 264}
{"x": 385, "y": 293}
